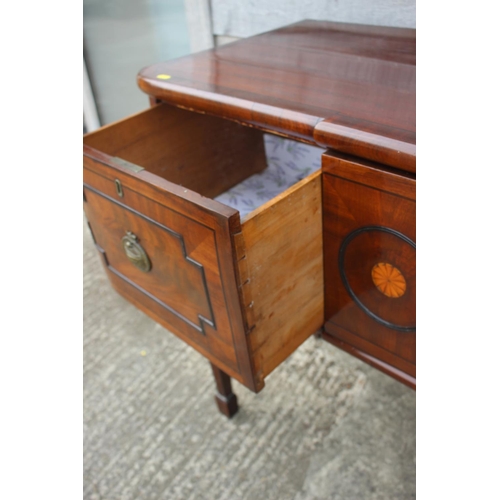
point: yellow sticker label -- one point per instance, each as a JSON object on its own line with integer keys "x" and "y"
{"x": 163, "y": 77}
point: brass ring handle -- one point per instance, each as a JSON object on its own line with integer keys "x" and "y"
{"x": 135, "y": 253}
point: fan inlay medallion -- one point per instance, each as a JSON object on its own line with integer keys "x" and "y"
{"x": 388, "y": 280}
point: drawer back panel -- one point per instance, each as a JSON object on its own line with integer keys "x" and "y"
{"x": 203, "y": 153}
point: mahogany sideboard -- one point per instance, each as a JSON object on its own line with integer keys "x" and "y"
{"x": 334, "y": 252}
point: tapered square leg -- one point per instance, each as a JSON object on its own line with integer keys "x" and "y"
{"x": 226, "y": 400}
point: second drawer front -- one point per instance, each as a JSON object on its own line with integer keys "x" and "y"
{"x": 370, "y": 255}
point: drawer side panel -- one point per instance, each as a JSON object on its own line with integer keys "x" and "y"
{"x": 283, "y": 269}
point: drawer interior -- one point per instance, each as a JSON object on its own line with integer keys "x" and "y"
{"x": 205, "y": 154}
{"x": 274, "y": 183}
{"x": 288, "y": 162}
{"x": 234, "y": 164}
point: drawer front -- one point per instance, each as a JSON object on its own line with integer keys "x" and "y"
{"x": 370, "y": 256}
{"x": 170, "y": 256}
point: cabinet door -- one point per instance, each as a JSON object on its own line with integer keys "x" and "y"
{"x": 370, "y": 256}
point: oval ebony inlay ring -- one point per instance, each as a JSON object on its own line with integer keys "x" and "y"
{"x": 354, "y": 297}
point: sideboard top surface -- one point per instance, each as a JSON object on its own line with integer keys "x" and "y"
{"x": 343, "y": 86}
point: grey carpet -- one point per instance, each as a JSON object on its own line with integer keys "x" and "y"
{"x": 326, "y": 426}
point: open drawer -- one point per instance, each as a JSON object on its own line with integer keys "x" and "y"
{"x": 244, "y": 293}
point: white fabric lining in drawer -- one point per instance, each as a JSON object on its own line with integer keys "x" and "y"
{"x": 287, "y": 163}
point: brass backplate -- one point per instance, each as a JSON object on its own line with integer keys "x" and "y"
{"x": 135, "y": 253}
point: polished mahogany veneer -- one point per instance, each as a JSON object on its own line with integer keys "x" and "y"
{"x": 335, "y": 252}
{"x": 370, "y": 257}
{"x": 344, "y": 86}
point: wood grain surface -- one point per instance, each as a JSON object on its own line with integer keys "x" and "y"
{"x": 369, "y": 237}
{"x": 281, "y": 268}
{"x": 344, "y": 86}
{"x": 206, "y": 227}
{"x": 203, "y": 153}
